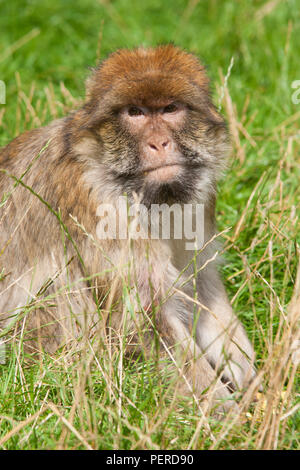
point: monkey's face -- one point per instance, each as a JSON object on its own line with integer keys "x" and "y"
{"x": 159, "y": 134}
{"x": 156, "y": 168}
{"x": 168, "y": 153}
{"x": 160, "y": 159}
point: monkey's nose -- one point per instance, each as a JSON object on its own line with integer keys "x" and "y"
{"x": 157, "y": 146}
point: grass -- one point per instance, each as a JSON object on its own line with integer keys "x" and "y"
{"x": 46, "y": 48}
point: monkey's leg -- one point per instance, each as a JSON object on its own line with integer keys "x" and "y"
{"x": 55, "y": 318}
{"x": 158, "y": 323}
{"x": 160, "y": 332}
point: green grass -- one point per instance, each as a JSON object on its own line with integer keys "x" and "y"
{"x": 258, "y": 198}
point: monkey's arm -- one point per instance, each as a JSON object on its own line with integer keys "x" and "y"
{"x": 221, "y": 335}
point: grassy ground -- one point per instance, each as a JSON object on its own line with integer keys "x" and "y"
{"x": 46, "y": 48}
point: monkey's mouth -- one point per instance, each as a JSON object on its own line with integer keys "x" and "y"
{"x": 163, "y": 172}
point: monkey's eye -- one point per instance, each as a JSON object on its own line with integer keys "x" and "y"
{"x": 171, "y": 108}
{"x": 135, "y": 111}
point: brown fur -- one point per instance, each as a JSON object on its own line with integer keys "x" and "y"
{"x": 43, "y": 250}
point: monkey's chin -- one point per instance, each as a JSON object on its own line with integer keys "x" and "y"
{"x": 163, "y": 174}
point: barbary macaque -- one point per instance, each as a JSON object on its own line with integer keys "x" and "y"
{"x": 147, "y": 131}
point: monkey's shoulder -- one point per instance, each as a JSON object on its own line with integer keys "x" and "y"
{"x": 29, "y": 144}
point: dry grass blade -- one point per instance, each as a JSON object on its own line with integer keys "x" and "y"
{"x": 18, "y": 44}
{"x": 22, "y": 425}
{"x": 234, "y": 124}
{"x": 70, "y": 426}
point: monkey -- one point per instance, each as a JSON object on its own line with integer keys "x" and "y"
{"x": 148, "y": 131}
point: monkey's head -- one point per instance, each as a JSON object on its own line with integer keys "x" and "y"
{"x": 155, "y": 129}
